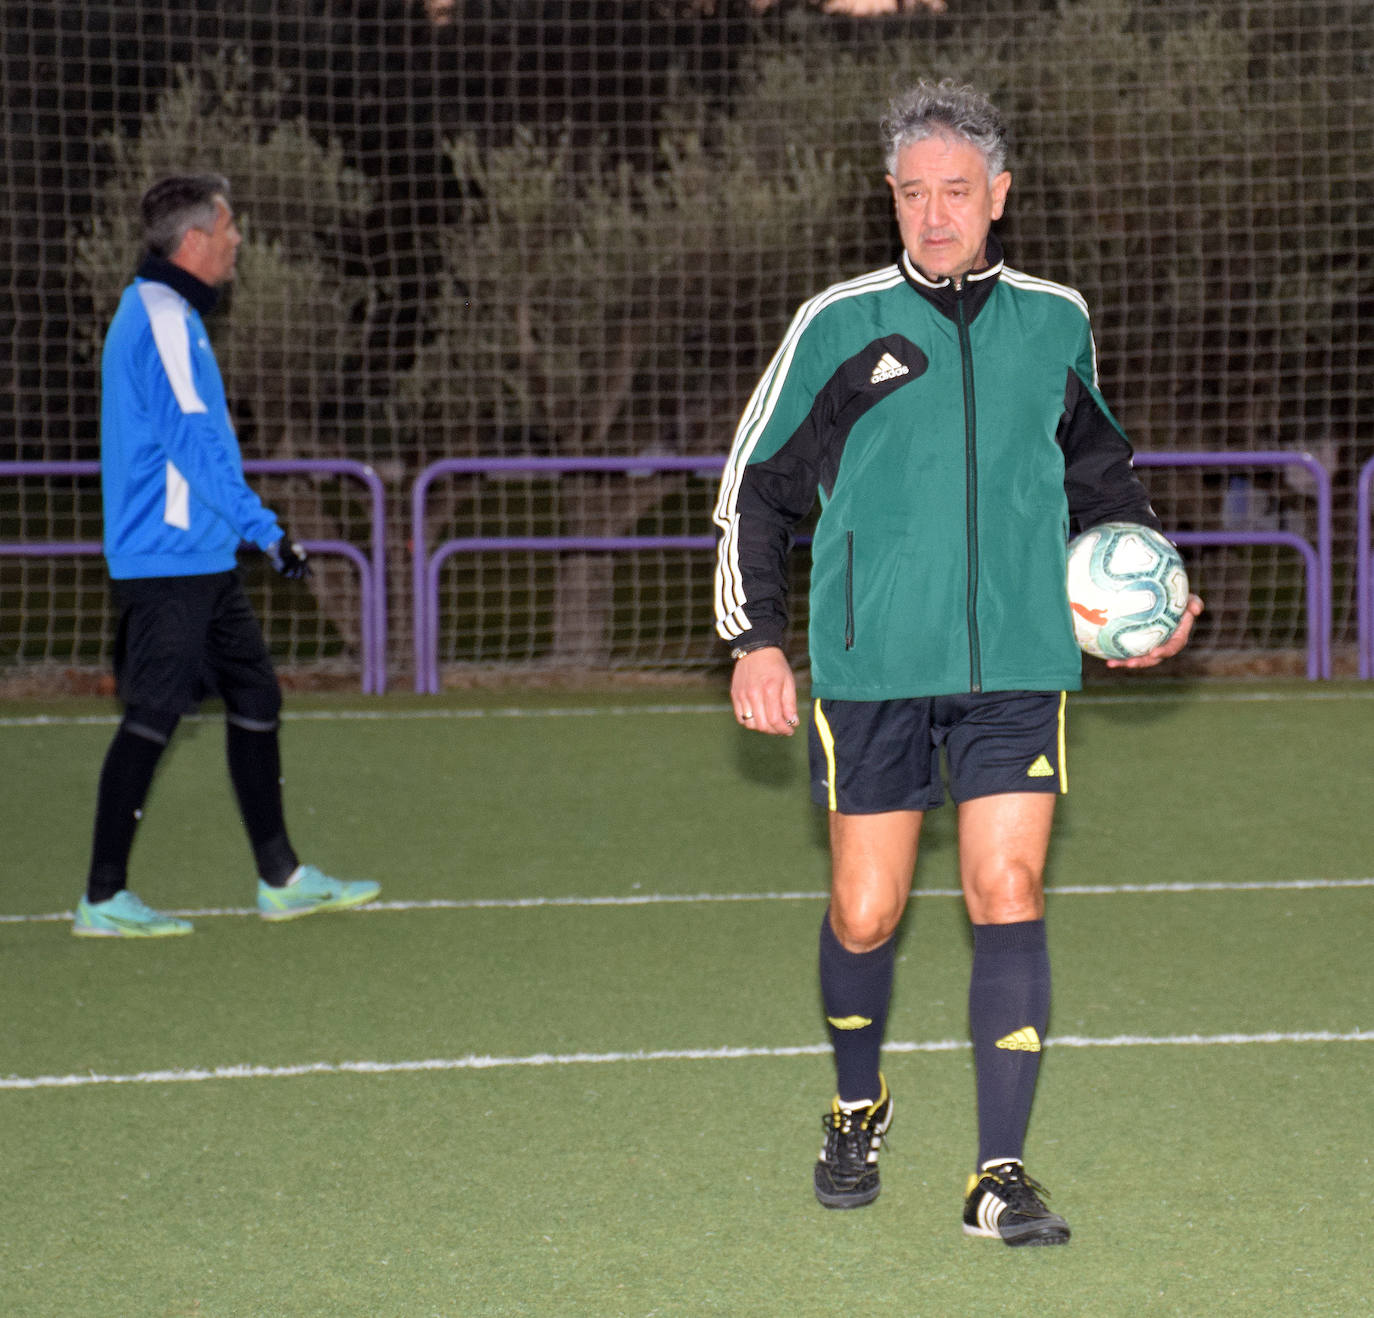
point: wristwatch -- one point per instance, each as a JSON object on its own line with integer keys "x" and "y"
{"x": 741, "y": 650}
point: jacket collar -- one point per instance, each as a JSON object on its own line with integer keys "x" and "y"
{"x": 943, "y": 295}
{"x": 200, "y": 295}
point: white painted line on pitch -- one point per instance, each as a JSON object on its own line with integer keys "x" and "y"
{"x": 402, "y": 715}
{"x": 710, "y": 898}
{"x": 59, "y": 720}
{"x": 384, "y": 715}
{"x": 489, "y": 904}
{"x": 245, "y": 1071}
{"x": 1214, "y": 697}
{"x": 1244, "y": 885}
{"x": 509, "y": 712}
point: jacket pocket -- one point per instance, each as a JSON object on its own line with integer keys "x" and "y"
{"x": 849, "y": 590}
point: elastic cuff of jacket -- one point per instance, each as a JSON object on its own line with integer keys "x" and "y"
{"x": 748, "y": 647}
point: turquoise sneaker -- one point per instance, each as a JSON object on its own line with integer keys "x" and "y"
{"x": 310, "y": 891}
{"x": 125, "y": 916}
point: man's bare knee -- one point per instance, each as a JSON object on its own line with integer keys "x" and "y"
{"x": 863, "y": 921}
{"x": 1006, "y": 892}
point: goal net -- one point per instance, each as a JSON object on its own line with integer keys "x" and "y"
{"x": 565, "y": 230}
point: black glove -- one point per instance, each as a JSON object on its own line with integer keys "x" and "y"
{"x": 289, "y": 557}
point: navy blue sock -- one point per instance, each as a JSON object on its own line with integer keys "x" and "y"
{"x": 855, "y": 988}
{"x": 1008, "y": 1008}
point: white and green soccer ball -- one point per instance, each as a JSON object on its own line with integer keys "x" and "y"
{"x": 1127, "y": 589}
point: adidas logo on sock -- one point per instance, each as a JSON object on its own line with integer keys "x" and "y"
{"x": 888, "y": 368}
{"x": 1024, "y": 1040}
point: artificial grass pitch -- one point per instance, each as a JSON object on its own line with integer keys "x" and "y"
{"x": 518, "y": 1176}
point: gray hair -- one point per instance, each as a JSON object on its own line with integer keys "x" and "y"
{"x": 178, "y": 203}
{"x": 943, "y": 109}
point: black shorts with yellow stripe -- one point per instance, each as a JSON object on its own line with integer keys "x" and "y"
{"x": 869, "y": 756}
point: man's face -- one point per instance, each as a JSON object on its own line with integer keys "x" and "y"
{"x": 945, "y": 205}
{"x": 210, "y": 255}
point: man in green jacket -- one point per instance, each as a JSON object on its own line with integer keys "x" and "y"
{"x": 946, "y": 411}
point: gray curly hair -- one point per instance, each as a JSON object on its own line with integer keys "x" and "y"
{"x": 932, "y": 109}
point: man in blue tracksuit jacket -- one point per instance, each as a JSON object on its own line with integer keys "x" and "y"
{"x": 176, "y": 510}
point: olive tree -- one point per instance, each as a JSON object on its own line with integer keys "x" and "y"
{"x": 592, "y": 309}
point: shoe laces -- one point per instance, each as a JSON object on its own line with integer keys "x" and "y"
{"x": 849, "y": 1139}
{"x": 1022, "y": 1193}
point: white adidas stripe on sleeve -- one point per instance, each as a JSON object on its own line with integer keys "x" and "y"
{"x": 167, "y": 316}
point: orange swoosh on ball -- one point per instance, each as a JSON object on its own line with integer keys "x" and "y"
{"x": 1098, "y": 617}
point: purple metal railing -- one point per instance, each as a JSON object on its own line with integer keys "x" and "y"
{"x": 1317, "y": 561}
{"x": 371, "y": 566}
{"x": 426, "y": 564}
{"x": 1364, "y": 571}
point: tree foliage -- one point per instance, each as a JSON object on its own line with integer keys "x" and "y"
{"x": 589, "y": 307}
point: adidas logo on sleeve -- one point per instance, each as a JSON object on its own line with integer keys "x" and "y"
{"x": 888, "y": 368}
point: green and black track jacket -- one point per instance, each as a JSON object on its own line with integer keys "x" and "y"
{"x": 956, "y": 437}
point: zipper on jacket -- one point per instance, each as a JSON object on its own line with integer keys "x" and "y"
{"x": 849, "y": 590}
{"x": 975, "y": 661}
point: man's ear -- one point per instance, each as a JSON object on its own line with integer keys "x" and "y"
{"x": 1001, "y": 185}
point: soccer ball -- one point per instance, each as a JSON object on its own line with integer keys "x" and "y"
{"x": 1127, "y": 589}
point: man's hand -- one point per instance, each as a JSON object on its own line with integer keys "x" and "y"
{"x": 289, "y": 558}
{"x": 1165, "y": 649}
{"x": 764, "y": 692}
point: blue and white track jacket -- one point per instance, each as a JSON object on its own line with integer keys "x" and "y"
{"x": 175, "y": 500}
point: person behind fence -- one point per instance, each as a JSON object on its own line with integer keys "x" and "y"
{"x": 176, "y": 508}
{"x": 947, "y": 410}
